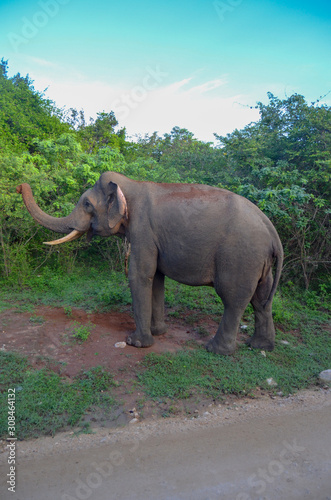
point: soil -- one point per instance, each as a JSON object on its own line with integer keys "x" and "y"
{"x": 46, "y": 337}
{"x": 266, "y": 448}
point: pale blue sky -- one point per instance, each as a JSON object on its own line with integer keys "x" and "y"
{"x": 197, "y": 64}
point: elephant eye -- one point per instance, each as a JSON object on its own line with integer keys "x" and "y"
{"x": 88, "y": 206}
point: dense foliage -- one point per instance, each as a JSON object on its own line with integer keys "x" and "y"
{"x": 282, "y": 163}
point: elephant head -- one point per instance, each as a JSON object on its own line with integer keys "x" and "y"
{"x": 101, "y": 210}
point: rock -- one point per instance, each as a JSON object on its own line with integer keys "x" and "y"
{"x": 325, "y": 376}
{"x": 271, "y": 382}
{"x": 284, "y": 342}
{"x": 120, "y": 345}
{"x": 134, "y": 421}
{"x": 134, "y": 413}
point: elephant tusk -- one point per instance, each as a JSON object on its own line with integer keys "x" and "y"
{"x": 70, "y": 237}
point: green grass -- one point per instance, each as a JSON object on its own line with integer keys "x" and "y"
{"x": 82, "y": 332}
{"x": 102, "y": 289}
{"x": 88, "y": 288}
{"x": 46, "y": 403}
{"x": 188, "y": 373}
{"x": 302, "y": 320}
{"x": 182, "y": 298}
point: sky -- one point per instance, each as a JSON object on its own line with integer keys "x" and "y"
{"x": 200, "y": 65}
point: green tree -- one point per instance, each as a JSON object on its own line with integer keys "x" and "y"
{"x": 282, "y": 163}
{"x": 25, "y": 113}
{"x": 101, "y": 132}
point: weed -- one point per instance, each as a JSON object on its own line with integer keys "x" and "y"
{"x": 174, "y": 314}
{"x": 68, "y": 311}
{"x": 82, "y": 332}
{"x": 191, "y": 319}
{"x": 4, "y": 306}
{"x": 85, "y": 428}
{"x": 37, "y": 319}
{"x": 26, "y": 307}
{"x": 202, "y": 332}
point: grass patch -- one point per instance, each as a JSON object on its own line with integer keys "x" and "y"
{"x": 45, "y": 403}
{"x": 302, "y": 320}
{"x": 5, "y": 305}
{"x": 101, "y": 289}
{"x": 182, "y": 298}
{"x": 82, "y": 332}
{"x": 39, "y": 320}
{"x": 88, "y": 288}
{"x": 187, "y": 373}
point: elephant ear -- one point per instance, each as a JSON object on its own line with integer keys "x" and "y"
{"x": 117, "y": 209}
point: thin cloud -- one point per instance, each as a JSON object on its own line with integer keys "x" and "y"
{"x": 208, "y": 86}
{"x": 42, "y": 62}
{"x": 203, "y": 109}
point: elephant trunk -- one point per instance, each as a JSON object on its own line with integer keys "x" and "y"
{"x": 59, "y": 225}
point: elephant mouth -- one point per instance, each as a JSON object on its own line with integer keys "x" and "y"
{"x": 74, "y": 235}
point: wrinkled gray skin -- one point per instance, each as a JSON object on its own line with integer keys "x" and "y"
{"x": 194, "y": 234}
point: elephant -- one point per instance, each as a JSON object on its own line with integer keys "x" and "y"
{"x": 192, "y": 233}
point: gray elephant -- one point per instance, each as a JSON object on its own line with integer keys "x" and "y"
{"x": 194, "y": 234}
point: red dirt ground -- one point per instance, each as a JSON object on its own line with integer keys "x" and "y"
{"x": 46, "y": 338}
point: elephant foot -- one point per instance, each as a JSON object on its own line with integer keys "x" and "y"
{"x": 213, "y": 346}
{"x": 158, "y": 330}
{"x": 138, "y": 340}
{"x": 261, "y": 343}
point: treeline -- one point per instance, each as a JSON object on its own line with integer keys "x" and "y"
{"x": 281, "y": 163}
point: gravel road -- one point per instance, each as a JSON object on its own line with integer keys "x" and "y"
{"x": 270, "y": 449}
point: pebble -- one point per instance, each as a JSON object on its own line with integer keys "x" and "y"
{"x": 120, "y": 345}
{"x": 271, "y": 382}
{"x": 325, "y": 376}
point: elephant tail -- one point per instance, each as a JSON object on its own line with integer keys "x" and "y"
{"x": 279, "y": 256}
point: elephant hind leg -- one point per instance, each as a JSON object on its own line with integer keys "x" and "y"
{"x": 264, "y": 333}
{"x": 224, "y": 341}
{"x": 235, "y": 295}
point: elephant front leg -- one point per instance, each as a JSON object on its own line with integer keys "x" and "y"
{"x": 158, "y": 326}
{"x": 141, "y": 285}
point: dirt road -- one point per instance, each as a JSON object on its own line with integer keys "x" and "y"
{"x": 265, "y": 449}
